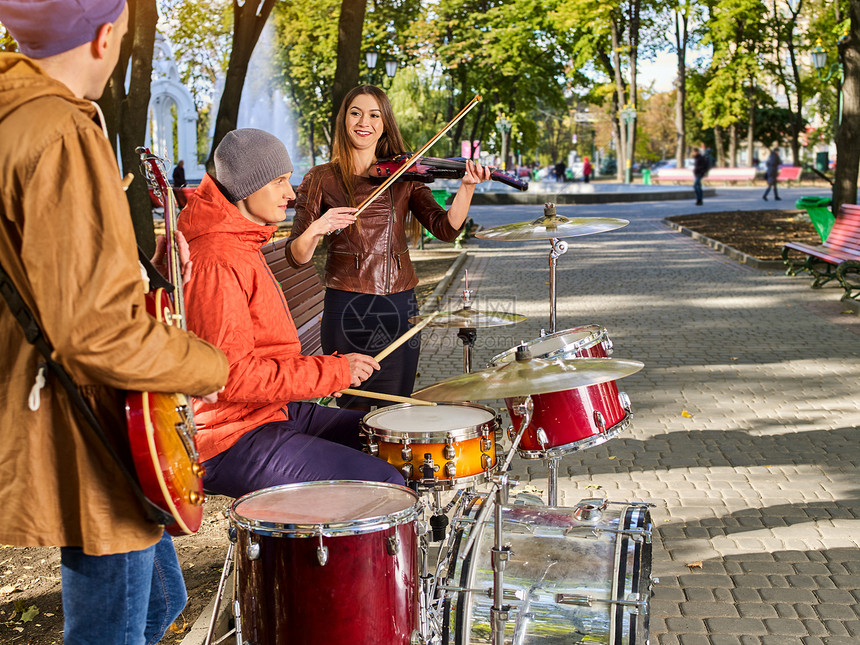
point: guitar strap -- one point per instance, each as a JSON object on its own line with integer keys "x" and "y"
{"x": 34, "y": 336}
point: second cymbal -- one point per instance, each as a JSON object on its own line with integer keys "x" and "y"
{"x": 526, "y": 377}
{"x": 468, "y": 318}
{"x": 549, "y": 227}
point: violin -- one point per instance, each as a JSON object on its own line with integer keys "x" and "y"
{"x": 428, "y": 169}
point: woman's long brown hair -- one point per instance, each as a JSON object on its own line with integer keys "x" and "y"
{"x": 389, "y": 144}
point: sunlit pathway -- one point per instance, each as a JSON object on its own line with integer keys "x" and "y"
{"x": 746, "y": 414}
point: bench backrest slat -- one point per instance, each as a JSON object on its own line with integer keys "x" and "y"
{"x": 845, "y": 234}
{"x": 304, "y": 293}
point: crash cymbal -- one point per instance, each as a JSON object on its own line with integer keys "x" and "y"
{"x": 548, "y": 227}
{"x": 468, "y": 318}
{"x": 530, "y": 376}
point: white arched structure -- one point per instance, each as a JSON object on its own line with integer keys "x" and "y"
{"x": 166, "y": 94}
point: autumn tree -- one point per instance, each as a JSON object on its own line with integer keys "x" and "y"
{"x": 249, "y": 18}
{"x": 126, "y": 111}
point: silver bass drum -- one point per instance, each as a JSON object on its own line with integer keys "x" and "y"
{"x": 578, "y": 575}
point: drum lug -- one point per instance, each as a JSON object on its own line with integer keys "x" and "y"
{"x": 486, "y": 464}
{"x": 511, "y": 432}
{"x": 607, "y": 346}
{"x": 406, "y": 470}
{"x": 253, "y": 550}
{"x": 406, "y": 453}
{"x": 579, "y": 600}
{"x": 624, "y": 400}
{"x": 372, "y": 447}
{"x": 448, "y": 451}
{"x": 509, "y": 594}
{"x": 486, "y": 444}
{"x": 322, "y": 553}
{"x": 450, "y": 470}
{"x": 542, "y": 439}
{"x": 599, "y": 421}
{"x": 392, "y": 543}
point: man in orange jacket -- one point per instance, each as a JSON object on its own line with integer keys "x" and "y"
{"x": 258, "y": 434}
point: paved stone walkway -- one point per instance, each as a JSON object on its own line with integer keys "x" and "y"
{"x": 745, "y": 428}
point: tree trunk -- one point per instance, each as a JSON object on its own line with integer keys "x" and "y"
{"x": 751, "y": 123}
{"x": 633, "y": 88}
{"x": 719, "y": 153}
{"x": 249, "y": 18}
{"x": 621, "y": 148}
{"x": 733, "y": 145}
{"x": 349, "y": 28}
{"x": 847, "y": 152}
{"x": 126, "y": 115}
{"x": 681, "y": 37}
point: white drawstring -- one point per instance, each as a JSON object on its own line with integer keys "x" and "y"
{"x": 35, "y": 399}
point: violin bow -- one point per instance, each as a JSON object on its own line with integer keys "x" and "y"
{"x": 415, "y": 157}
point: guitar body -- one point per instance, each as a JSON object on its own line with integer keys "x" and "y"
{"x": 161, "y": 434}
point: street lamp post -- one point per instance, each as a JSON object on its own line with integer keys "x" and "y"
{"x": 628, "y": 115}
{"x": 503, "y": 124}
{"x": 819, "y": 62}
{"x": 371, "y": 57}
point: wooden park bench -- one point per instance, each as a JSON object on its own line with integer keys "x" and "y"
{"x": 304, "y": 293}
{"x": 789, "y": 174}
{"x": 685, "y": 175}
{"x": 838, "y": 257}
{"x": 676, "y": 175}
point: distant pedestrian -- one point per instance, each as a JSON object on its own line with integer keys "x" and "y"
{"x": 700, "y": 169}
{"x": 586, "y": 169}
{"x": 772, "y": 171}
{"x": 179, "y": 184}
{"x": 560, "y": 168}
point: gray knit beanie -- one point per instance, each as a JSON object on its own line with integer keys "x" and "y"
{"x": 248, "y": 159}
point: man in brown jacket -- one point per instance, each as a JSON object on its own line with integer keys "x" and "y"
{"x": 67, "y": 243}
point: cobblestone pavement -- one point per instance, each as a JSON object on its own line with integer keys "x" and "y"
{"x": 744, "y": 433}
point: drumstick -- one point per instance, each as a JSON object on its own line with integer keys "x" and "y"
{"x": 409, "y": 334}
{"x": 126, "y": 181}
{"x": 385, "y": 397}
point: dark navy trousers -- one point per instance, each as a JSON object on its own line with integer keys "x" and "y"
{"x": 316, "y": 443}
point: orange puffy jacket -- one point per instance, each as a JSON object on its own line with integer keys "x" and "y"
{"x": 234, "y": 302}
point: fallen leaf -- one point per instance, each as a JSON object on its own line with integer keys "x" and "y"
{"x": 612, "y": 457}
{"x": 686, "y": 414}
{"x": 734, "y": 358}
{"x": 594, "y": 486}
{"x": 176, "y": 629}
{"x": 8, "y": 589}
{"x": 29, "y": 614}
{"x": 695, "y": 565}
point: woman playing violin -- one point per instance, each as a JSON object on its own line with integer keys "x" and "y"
{"x": 369, "y": 276}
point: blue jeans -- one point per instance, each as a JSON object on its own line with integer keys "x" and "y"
{"x": 697, "y": 186}
{"x": 121, "y": 599}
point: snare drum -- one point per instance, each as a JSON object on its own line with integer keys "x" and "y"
{"x": 330, "y": 562}
{"x": 448, "y": 446}
{"x": 569, "y": 420}
{"x": 574, "y": 575}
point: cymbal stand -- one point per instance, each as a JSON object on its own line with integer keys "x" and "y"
{"x": 559, "y": 248}
{"x": 467, "y": 334}
{"x": 552, "y": 480}
{"x": 497, "y": 497}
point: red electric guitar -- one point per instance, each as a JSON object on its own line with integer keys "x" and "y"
{"x": 161, "y": 426}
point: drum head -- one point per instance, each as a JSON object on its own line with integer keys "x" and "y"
{"x": 429, "y": 422}
{"x": 562, "y": 344}
{"x": 330, "y": 507}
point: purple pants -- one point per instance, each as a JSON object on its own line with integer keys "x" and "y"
{"x": 316, "y": 443}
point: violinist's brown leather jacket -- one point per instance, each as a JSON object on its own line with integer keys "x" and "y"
{"x": 372, "y": 255}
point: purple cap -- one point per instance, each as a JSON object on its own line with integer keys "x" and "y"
{"x": 48, "y": 27}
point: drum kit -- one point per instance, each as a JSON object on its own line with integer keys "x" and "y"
{"x": 350, "y": 562}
